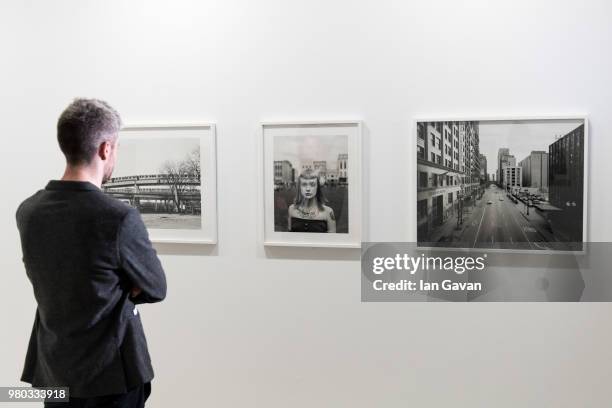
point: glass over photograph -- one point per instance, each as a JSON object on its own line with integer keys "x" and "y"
{"x": 311, "y": 184}
{"x": 514, "y": 185}
{"x": 161, "y": 177}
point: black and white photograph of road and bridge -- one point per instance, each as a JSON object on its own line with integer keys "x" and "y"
{"x": 161, "y": 177}
{"x": 514, "y": 185}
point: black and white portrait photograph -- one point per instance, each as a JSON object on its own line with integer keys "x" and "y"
{"x": 505, "y": 184}
{"x": 164, "y": 173}
{"x": 312, "y": 174}
{"x": 311, "y": 184}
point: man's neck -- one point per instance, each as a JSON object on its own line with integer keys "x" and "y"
{"x": 81, "y": 174}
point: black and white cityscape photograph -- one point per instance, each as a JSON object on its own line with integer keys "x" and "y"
{"x": 516, "y": 185}
{"x": 311, "y": 183}
{"x": 161, "y": 177}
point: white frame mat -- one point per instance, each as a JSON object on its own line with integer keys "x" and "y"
{"x": 206, "y": 133}
{"x": 501, "y": 119}
{"x": 353, "y": 130}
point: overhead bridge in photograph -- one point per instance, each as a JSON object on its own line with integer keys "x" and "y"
{"x": 151, "y": 179}
{"x": 159, "y": 189}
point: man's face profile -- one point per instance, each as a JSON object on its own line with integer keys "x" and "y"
{"x": 109, "y": 163}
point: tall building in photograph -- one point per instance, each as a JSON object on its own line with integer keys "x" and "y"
{"x": 535, "y": 170}
{"x": 447, "y": 168}
{"x": 566, "y": 185}
{"x": 468, "y": 131}
{"x": 512, "y": 177}
{"x": 502, "y": 154}
{"x": 283, "y": 172}
{"x": 507, "y": 160}
{"x": 484, "y": 176}
{"x": 342, "y": 168}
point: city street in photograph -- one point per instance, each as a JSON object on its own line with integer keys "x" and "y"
{"x": 517, "y": 185}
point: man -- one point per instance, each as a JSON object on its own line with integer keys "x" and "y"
{"x": 90, "y": 262}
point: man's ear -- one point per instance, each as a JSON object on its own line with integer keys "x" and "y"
{"x": 104, "y": 150}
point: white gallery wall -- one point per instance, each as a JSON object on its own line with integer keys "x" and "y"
{"x": 247, "y": 327}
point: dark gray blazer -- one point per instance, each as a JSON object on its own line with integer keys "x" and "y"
{"x": 83, "y": 251}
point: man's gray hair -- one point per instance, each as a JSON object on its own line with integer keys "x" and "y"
{"x": 83, "y": 126}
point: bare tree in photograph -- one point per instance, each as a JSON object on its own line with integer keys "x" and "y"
{"x": 176, "y": 173}
{"x": 183, "y": 177}
{"x": 193, "y": 163}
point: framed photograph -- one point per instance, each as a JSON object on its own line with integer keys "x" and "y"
{"x": 168, "y": 172}
{"x": 311, "y": 183}
{"x": 507, "y": 184}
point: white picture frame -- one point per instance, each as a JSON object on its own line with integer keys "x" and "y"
{"x": 269, "y": 131}
{"x": 174, "y": 137}
{"x": 414, "y": 220}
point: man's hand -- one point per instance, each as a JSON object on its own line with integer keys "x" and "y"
{"x": 135, "y": 292}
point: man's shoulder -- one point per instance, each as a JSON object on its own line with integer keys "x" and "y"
{"x": 109, "y": 207}
{"x": 28, "y": 202}
{"x": 91, "y": 202}
{"x": 111, "y": 202}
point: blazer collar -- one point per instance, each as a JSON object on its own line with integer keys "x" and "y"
{"x": 71, "y": 185}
